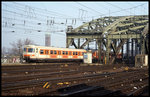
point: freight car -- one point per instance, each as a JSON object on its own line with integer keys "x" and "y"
{"x": 34, "y": 53}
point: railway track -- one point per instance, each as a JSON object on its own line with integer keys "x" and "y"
{"x": 20, "y": 79}
{"x": 87, "y": 75}
{"x": 106, "y": 86}
{"x": 47, "y": 68}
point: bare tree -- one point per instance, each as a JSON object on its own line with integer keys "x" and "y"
{"x": 4, "y": 51}
{"x": 17, "y": 48}
{"x": 28, "y": 42}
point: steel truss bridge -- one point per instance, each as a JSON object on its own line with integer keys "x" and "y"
{"x": 112, "y": 35}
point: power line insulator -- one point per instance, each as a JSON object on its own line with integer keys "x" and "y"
{"x": 66, "y": 21}
{"x": 39, "y": 23}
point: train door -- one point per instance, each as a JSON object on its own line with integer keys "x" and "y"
{"x": 36, "y": 53}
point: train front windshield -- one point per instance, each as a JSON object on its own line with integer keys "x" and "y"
{"x": 30, "y": 50}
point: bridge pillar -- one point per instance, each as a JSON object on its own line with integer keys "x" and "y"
{"x": 78, "y": 43}
{"x": 136, "y": 47}
{"x": 68, "y": 42}
{"x": 122, "y": 51}
{"x": 99, "y": 41}
{"x": 107, "y": 50}
{"x": 127, "y": 50}
{"x": 143, "y": 46}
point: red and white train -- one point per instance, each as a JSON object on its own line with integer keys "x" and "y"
{"x": 52, "y": 54}
{"x": 42, "y": 53}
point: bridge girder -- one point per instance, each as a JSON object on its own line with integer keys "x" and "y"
{"x": 110, "y": 29}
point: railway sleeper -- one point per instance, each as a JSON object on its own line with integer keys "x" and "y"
{"x": 85, "y": 90}
{"x": 78, "y": 90}
{"x": 105, "y": 92}
{"x": 138, "y": 91}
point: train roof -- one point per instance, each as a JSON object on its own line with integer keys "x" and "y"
{"x": 47, "y": 47}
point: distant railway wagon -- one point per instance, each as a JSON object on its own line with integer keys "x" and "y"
{"x": 47, "y": 54}
{"x": 95, "y": 55}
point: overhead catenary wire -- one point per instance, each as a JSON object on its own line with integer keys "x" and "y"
{"x": 109, "y": 13}
{"x": 35, "y": 17}
{"x": 117, "y": 7}
{"x": 41, "y": 20}
{"x": 124, "y": 9}
{"x": 24, "y": 21}
{"x": 39, "y": 14}
{"x": 103, "y": 14}
{"x": 64, "y": 15}
{"x": 28, "y": 24}
{"x": 89, "y": 8}
{"x": 24, "y": 15}
{"x": 29, "y": 27}
{"x": 51, "y": 12}
{"x": 116, "y": 11}
{"x": 33, "y": 30}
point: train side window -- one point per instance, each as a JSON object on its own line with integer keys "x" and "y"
{"x": 63, "y": 52}
{"x": 25, "y": 49}
{"x": 66, "y": 52}
{"x": 30, "y": 50}
{"x": 41, "y": 52}
{"x": 55, "y": 52}
{"x": 46, "y": 52}
{"x": 69, "y": 53}
{"x": 79, "y": 53}
{"x": 59, "y": 52}
{"x": 51, "y": 51}
{"x": 74, "y": 53}
{"x": 82, "y": 53}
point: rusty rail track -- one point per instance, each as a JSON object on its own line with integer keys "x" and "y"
{"x": 86, "y": 80}
{"x": 100, "y": 89}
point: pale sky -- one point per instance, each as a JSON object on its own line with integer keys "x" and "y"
{"x": 33, "y": 20}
